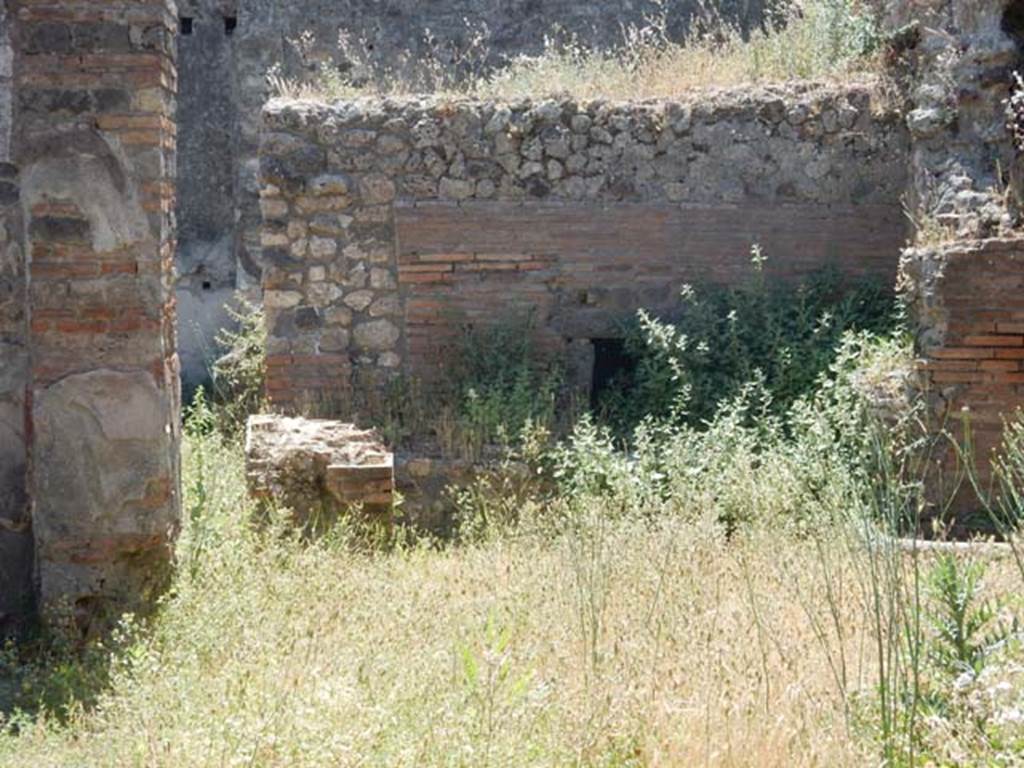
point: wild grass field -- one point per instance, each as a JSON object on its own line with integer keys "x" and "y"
{"x": 739, "y": 589}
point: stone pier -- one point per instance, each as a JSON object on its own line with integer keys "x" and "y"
{"x": 89, "y": 393}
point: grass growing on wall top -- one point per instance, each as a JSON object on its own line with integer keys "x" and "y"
{"x": 801, "y": 40}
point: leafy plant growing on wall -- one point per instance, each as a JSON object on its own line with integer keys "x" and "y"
{"x": 500, "y": 384}
{"x": 718, "y": 339}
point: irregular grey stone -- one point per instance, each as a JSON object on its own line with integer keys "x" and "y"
{"x": 386, "y": 306}
{"x": 581, "y": 123}
{"x": 359, "y": 300}
{"x": 330, "y": 185}
{"x": 455, "y": 189}
{"x": 381, "y": 278}
{"x": 929, "y": 121}
{"x": 334, "y": 340}
{"x": 376, "y": 189}
{"x": 375, "y": 335}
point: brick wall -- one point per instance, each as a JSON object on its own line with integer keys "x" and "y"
{"x": 965, "y": 295}
{"x": 94, "y": 142}
{"x": 386, "y": 225}
{"x": 968, "y": 299}
{"x": 15, "y": 531}
{"x": 583, "y": 269}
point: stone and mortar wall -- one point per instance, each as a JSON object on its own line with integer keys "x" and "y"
{"x": 89, "y": 392}
{"x": 966, "y": 293}
{"x": 210, "y": 247}
{"x": 388, "y": 224}
{"x": 15, "y": 531}
{"x": 968, "y": 298}
{"x": 957, "y": 73}
{"x": 224, "y": 88}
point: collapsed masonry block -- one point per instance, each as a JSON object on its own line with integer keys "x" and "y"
{"x": 320, "y": 470}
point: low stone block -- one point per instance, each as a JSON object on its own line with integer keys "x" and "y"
{"x": 318, "y": 469}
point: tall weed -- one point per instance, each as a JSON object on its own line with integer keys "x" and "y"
{"x": 238, "y": 375}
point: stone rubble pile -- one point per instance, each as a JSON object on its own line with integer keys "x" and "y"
{"x": 320, "y": 470}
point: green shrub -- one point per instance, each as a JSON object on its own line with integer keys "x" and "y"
{"x": 238, "y": 376}
{"x": 802, "y": 469}
{"x": 497, "y": 387}
{"x": 721, "y": 338}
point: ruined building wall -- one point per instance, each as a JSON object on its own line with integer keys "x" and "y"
{"x": 968, "y": 297}
{"x": 89, "y": 378}
{"x": 958, "y": 72}
{"x": 224, "y": 59}
{"x": 387, "y": 224}
{"x": 967, "y": 291}
{"x": 15, "y": 531}
{"x": 209, "y": 237}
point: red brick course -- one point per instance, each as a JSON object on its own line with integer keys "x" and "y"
{"x": 581, "y": 268}
{"x": 94, "y": 137}
{"x": 972, "y": 318}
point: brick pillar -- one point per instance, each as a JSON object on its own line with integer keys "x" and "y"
{"x": 967, "y": 299}
{"x": 95, "y": 142}
{"x": 15, "y": 530}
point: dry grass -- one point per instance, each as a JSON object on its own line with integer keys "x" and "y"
{"x": 614, "y": 644}
{"x": 810, "y": 40}
{"x": 723, "y": 597}
{"x": 331, "y": 659}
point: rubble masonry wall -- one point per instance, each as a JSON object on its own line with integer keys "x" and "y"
{"x": 388, "y": 224}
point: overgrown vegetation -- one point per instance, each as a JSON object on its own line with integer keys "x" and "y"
{"x": 722, "y": 338}
{"x": 746, "y": 587}
{"x": 494, "y": 388}
{"x": 800, "y": 39}
{"x": 237, "y": 377}
{"x": 733, "y": 595}
{"x": 766, "y": 344}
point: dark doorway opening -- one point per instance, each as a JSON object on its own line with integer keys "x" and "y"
{"x": 1013, "y": 22}
{"x": 614, "y": 368}
{"x": 230, "y": 25}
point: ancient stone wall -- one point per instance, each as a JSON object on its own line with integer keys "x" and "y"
{"x": 958, "y": 68}
{"x": 15, "y": 531}
{"x": 969, "y": 306}
{"x": 209, "y": 236}
{"x": 227, "y": 48}
{"x": 388, "y": 224}
{"x": 89, "y": 394}
{"x": 964, "y": 280}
